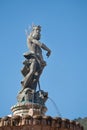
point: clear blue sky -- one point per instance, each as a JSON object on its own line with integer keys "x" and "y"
{"x": 64, "y": 31}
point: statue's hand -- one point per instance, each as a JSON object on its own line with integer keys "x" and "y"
{"x": 48, "y": 53}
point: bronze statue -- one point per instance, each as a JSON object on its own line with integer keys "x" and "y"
{"x": 34, "y": 63}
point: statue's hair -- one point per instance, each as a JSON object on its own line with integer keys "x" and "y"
{"x": 30, "y": 29}
{"x": 36, "y": 27}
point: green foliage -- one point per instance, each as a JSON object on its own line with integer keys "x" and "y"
{"x": 83, "y": 122}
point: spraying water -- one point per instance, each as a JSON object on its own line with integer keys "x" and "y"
{"x": 56, "y": 107}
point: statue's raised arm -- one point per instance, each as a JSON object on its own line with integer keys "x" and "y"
{"x": 35, "y": 63}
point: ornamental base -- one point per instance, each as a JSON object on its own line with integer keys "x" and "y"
{"x": 28, "y": 108}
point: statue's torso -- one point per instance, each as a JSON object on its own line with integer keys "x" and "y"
{"x": 34, "y": 48}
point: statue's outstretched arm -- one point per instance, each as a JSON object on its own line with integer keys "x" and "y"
{"x": 47, "y": 49}
{"x": 43, "y": 46}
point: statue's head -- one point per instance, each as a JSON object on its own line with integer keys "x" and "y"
{"x": 36, "y": 32}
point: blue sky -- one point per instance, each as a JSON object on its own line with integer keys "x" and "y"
{"x": 64, "y": 31}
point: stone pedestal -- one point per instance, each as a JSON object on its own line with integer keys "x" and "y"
{"x": 30, "y": 103}
{"x": 28, "y": 108}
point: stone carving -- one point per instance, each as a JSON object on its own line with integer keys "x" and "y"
{"x": 34, "y": 63}
{"x": 29, "y": 99}
{"x": 36, "y": 97}
{"x": 33, "y": 67}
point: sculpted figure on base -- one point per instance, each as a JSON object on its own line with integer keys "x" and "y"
{"x": 34, "y": 63}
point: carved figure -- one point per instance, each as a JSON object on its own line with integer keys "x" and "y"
{"x": 34, "y": 63}
{"x": 39, "y": 97}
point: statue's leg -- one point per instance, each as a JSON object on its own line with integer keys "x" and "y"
{"x": 29, "y": 76}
